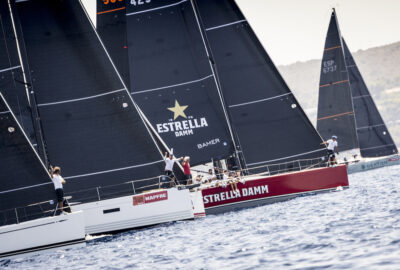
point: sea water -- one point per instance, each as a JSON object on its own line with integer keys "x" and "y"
{"x": 357, "y": 228}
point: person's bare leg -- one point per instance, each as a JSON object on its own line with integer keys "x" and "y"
{"x": 61, "y": 205}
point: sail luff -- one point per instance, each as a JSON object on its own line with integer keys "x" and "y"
{"x": 207, "y": 48}
{"x": 30, "y": 94}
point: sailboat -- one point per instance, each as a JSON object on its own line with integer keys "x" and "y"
{"x": 89, "y": 123}
{"x": 346, "y": 108}
{"x": 27, "y": 210}
{"x": 206, "y": 52}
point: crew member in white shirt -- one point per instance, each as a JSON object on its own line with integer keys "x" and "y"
{"x": 169, "y": 164}
{"x": 58, "y": 182}
{"x": 332, "y": 146}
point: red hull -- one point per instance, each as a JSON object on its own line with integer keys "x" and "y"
{"x": 274, "y": 188}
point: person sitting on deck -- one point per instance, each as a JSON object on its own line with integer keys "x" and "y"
{"x": 58, "y": 182}
{"x": 332, "y": 148}
{"x": 210, "y": 176}
{"x": 229, "y": 178}
{"x": 186, "y": 171}
{"x": 169, "y": 165}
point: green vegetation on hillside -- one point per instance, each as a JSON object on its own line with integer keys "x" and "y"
{"x": 380, "y": 68}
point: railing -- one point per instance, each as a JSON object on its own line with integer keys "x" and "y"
{"x": 285, "y": 167}
{"x": 26, "y": 213}
{"x": 50, "y": 208}
{"x": 121, "y": 189}
{"x": 276, "y": 168}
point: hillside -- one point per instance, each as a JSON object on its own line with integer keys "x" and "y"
{"x": 380, "y": 67}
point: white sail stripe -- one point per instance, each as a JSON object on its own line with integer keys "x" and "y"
{"x": 377, "y": 146}
{"x": 277, "y": 159}
{"x": 371, "y": 126}
{"x": 260, "y": 100}
{"x": 114, "y": 170}
{"x": 80, "y": 99}
{"x": 4, "y": 112}
{"x": 169, "y": 86}
{"x": 224, "y": 25}
{"x": 27, "y": 187}
{"x": 152, "y": 9}
{"x": 7, "y": 69}
{"x": 363, "y": 96}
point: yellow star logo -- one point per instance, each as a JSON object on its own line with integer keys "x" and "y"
{"x": 178, "y": 110}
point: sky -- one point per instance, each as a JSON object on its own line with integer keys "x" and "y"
{"x": 295, "y": 30}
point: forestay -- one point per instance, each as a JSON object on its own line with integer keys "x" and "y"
{"x": 335, "y": 108}
{"x": 373, "y": 136}
{"x": 91, "y": 126}
{"x": 270, "y": 124}
{"x": 23, "y": 177}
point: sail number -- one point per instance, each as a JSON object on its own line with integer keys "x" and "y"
{"x": 106, "y": 2}
{"x": 139, "y": 2}
{"x": 328, "y": 66}
{"x": 133, "y": 2}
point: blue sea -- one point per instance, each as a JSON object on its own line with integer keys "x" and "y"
{"x": 357, "y": 228}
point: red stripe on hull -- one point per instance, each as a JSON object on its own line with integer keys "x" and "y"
{"x": 277, "y": 185}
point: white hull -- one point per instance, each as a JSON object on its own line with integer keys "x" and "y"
{"x": 375, "y": 163}
{"x": 135, "y": 211}
{"x": 42, "y": 234}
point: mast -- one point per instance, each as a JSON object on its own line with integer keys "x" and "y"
{"x": 234, "y": 137}
{"x": 30, "y": 94}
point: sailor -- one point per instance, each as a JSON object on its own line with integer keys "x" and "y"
{"x": 332, "y": 146}
{"x": 186, "y": 170}
{"x": 210, "y": 176}
{"x": 58, "y": 182}
{"x": 169, "y": 165}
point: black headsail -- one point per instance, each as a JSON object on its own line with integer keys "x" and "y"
{"x": 91, "y": 125}
{"x": 335, "y": 108}
{"x": 270, "y": 124}
{"x": 12, "y": 82}
{"x": 373, "y": 136}
{"x": 23, "y": 177}
{"x": 170, "y": 75}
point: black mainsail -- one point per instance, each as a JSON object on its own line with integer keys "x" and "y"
{"x": 270, "y": 124}
{"x": 92, "y": 127}
{"x": 335, "y": 107}
{"x": 374, "y": 139}
{"x": 23, "y": 177}
{"x": 170, "y": 75}
{"x": 345, "y": 106}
